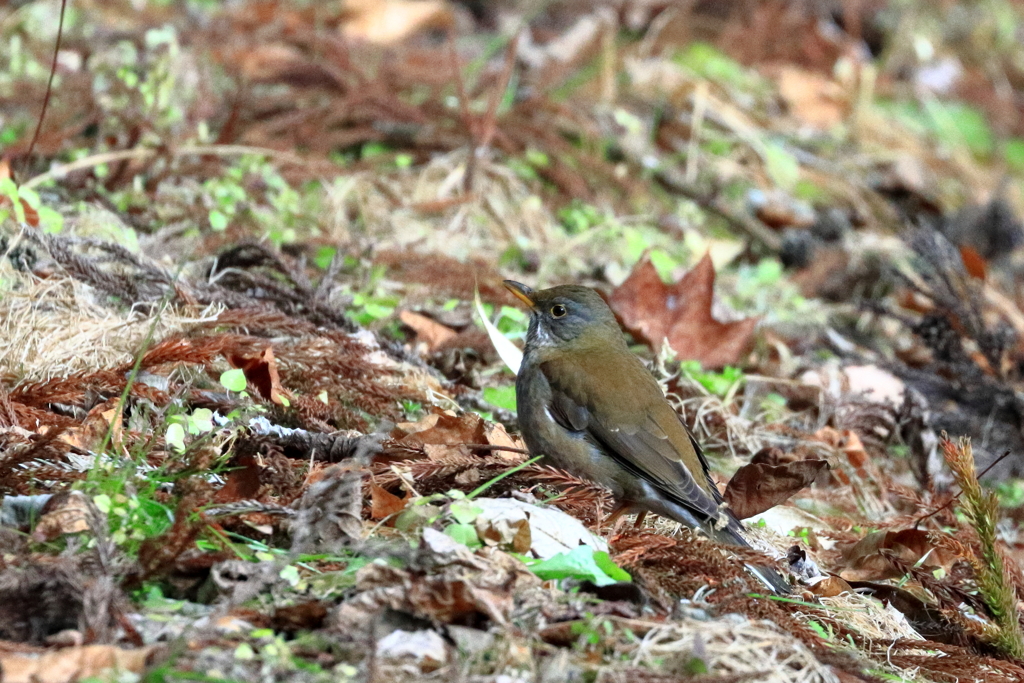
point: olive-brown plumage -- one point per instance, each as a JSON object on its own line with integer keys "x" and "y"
{"x": 589, "y": 404}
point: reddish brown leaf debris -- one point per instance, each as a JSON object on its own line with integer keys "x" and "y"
{"x": 871, "y": 558}
{"x": 681, "y": 315}
{"x": 383, "y": 503}
{"x": 261, "y": 372}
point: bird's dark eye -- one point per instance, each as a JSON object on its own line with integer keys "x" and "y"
{"x": 558, "y": 311}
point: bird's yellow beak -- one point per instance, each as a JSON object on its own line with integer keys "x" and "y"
{"x": 521, "y": 291}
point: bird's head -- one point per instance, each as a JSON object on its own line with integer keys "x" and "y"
{"x": 565, "y": 316}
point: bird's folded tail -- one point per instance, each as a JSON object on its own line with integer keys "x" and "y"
{"x": 771, "y": 578}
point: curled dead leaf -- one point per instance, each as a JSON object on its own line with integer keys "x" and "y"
{"x": 243, "y": 480}
{"x": 756, "y": 487}
{"x": 851, "y": 446}
{"x": 442, "y": 434}
{"x": 515, "y": 534}
{"x": 830, "y": 586}
{"x": 383, "y": 503}
{"x": 460, "y": 586}
{"x": 441, "y": 428}
{"x": 926, "y": 618}
{"x": 974, "y": 263}
{"x": 64, "y": 513}
{"x": 261, "y": 373}
{"x": 872, "y": 558}
{"x": 102, "y": 420}
{"x": 429, "y": 332}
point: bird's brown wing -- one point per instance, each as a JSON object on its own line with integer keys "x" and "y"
{"x": 655, "y": 449}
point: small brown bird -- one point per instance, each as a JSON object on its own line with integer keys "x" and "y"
{"x": 589, "y": 404}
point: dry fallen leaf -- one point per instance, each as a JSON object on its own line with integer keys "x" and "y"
{"x": 496, "y": 435}
{"x": 243, "y": 480}
{"x": 72, "y": 664}
{"x": 926, "y": 617}
{"x": 102, "y": 419}
{"x": 447, "y": 429}
{"x": 390, "y": 21}
{"x": 547, "y": 531}
{"x": 427, "y": 648}
{"x": 261, "y": 373}
{"x": 852, "y": 447}
{"x": 461, "y": 585}
{"x": 681, "y": 315}
{"x": 383, "y": 503}
{"x": 428, "y": 331}
{"x": 830, "y": 587}
{"x": 869, "y": 558}
{"x": 516, "y": 534}
{"x": 759, "y": 486}
{"x": 440, "y": 428}
{"x": 268, "y": 62}
{"x": 812, "y": 98}
{"x": 65, "y": 513}
{"x": 974, "y": 262}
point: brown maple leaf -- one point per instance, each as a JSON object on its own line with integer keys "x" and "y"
{"x": 681, "y": 315}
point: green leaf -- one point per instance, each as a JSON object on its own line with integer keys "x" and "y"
{"x": 781, "y": 166}
{"x": 244, "y": 652}
{"x": 324, "y": 256}
{"x": 536, "y": 157}
{"x": 464, "y": 534}
{"x": 604, "y": 561}
{"x": 175, "y": 437}
{"x": 769, "y": 271}
{"x": 50, "y": 220}
{"x": 233, "y": 380}
{"x": 464, "y": 511}
{"x": 502, "y": 397}
{"x": 218, "y": 220}
{"x": 417, "y": 516}
{"x": 290, "y": 574}
{"x": 956, "y": 123}
{"x": 695, "y": 666}
{"x": 30, "y": 197}
{"x": 1014, "y": 153}
{"x": 716, "y": 383}
{"x": 583, "y": 563}
{"x": 201, "y": 420}
{"x": 709, "y": 62}
{"x": 9, "y": 189}
{"x": 663, "y": 263}
{"x": 377, "y": 311}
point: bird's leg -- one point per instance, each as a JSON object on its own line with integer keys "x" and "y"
{"x": 620, "y": 510}
{"x": 640, "y": 519}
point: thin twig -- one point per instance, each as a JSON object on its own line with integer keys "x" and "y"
{"x": 753, "y": 228}
{"x": 49, "y": 82}
{"x": 491, "y": 116}
{"x": 138, "y": 153}
{"x": 492, "y": 447}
